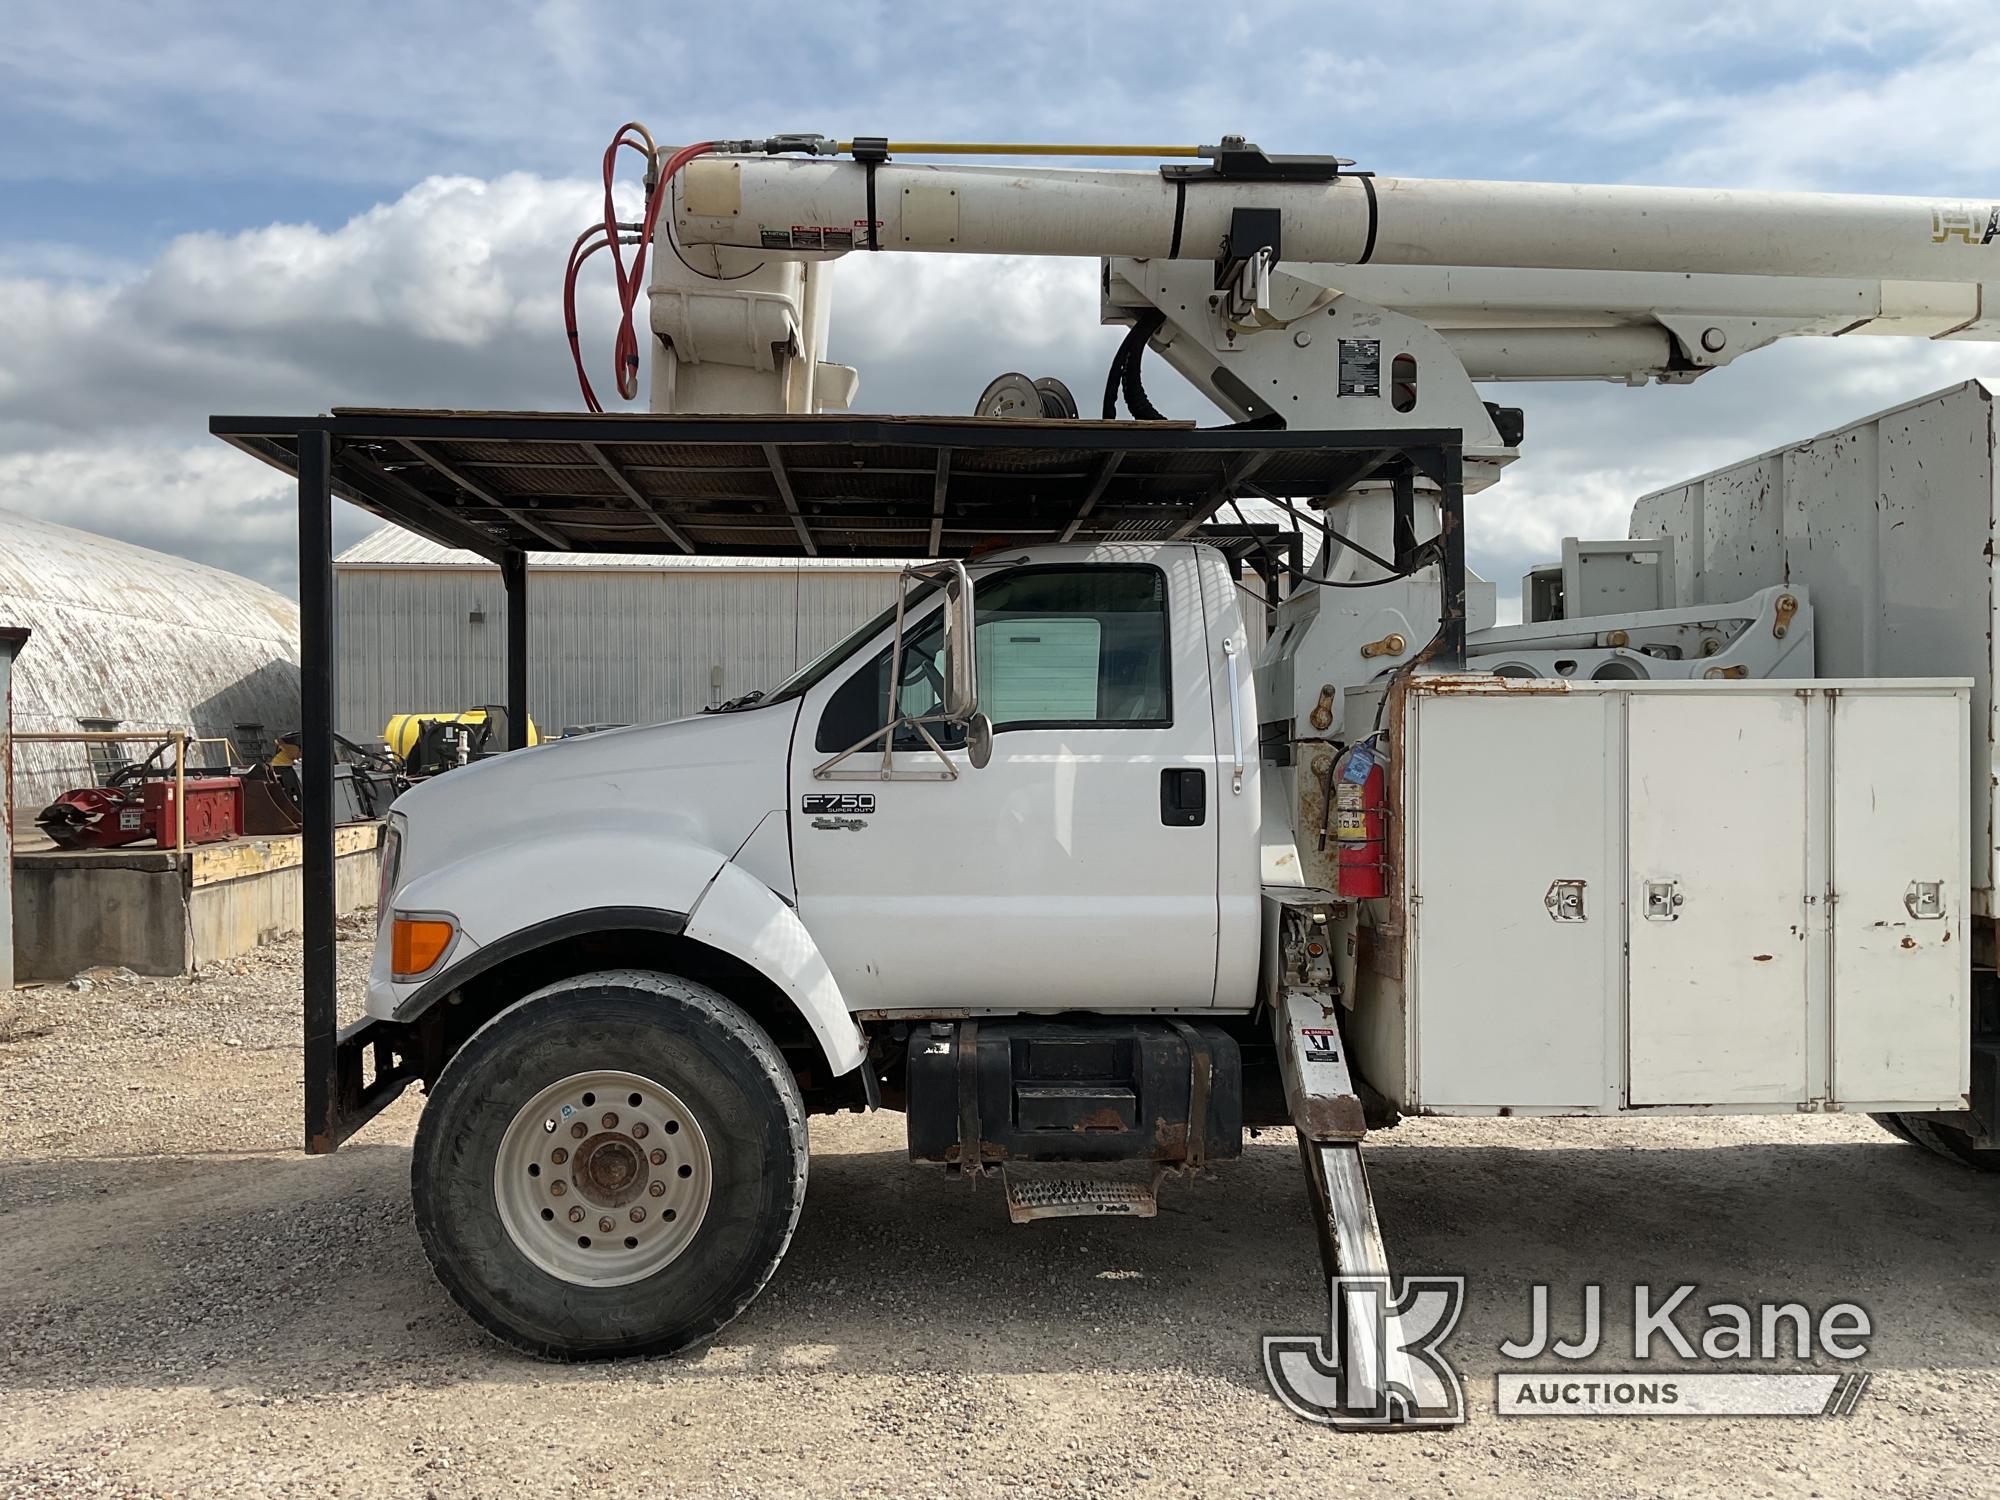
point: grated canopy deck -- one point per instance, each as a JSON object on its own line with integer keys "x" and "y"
{"x": 810, "y": 486}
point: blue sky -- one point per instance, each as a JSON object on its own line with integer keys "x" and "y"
{"x": 260, "y": 207}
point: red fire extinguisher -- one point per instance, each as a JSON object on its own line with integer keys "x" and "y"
{"x": 1361, "y": 821}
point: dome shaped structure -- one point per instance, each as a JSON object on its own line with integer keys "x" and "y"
{"x": 130, "y": 639}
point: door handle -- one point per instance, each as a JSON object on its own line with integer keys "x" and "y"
{"x": 1235, "y": 719}
{"x": 1183, "y": 796}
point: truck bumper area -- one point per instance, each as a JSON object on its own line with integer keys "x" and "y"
{"x": 369, "y": 1065}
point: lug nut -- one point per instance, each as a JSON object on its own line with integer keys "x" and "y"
{"x": 657, "y": 1189}
{"x": 640, "y": 1131}
{"x": 576, "y": 1214}
{"x": 658, "y": 1158}
{"x": 558, "y": 1188}
{"x": 559, "y": 1155}
{"x": 637, "y": 1216}
{"x": 610, "y": 1120}
{"x": 579, "y": 1130}
{"x": 604, "y": 1225}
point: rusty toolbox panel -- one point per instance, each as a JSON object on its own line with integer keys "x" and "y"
{"x": 1074, "y": 1090}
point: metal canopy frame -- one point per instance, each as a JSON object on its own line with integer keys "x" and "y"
{"x": 505, "y": 484}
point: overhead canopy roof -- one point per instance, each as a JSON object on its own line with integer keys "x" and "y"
{"x": 790, "y": 486}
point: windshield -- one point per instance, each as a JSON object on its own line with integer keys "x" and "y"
{"x": 816, "y": 669}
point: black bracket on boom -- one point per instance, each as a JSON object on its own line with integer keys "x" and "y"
{"x": 1238, "y": 160}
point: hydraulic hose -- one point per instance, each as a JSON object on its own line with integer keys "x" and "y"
{"x": 631, "y": 281}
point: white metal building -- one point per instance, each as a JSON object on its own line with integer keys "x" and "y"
{"x": 631, "y": 638}
{"x": 613, "y": 638}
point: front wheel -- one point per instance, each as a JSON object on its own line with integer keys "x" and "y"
{"x": 612, "y": 1166}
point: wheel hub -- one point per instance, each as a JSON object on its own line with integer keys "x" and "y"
{"x": 603, "y": 1178}
{"x": 610, "y": 1170}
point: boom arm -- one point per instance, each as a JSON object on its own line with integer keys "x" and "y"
{"x": 1523, "y": 281}
{"x": 779, "y": 205}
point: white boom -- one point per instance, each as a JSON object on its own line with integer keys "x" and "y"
{"x": 1523, "y": 281}
{"x": 776, "y": 205}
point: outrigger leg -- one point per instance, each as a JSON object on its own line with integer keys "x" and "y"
{"x": 1362, "y": 1374}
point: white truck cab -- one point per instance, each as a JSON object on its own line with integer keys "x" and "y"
{"x": 1111, "y": 833}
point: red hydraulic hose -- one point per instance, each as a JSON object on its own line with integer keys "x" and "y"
{"x": 631, "y": 280}
{"x": 578, "y": 254}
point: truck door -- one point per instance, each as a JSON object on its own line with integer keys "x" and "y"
{"x": 1077, "y": 868}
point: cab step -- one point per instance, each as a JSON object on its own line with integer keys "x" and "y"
{"x": 1031, "y": 1196}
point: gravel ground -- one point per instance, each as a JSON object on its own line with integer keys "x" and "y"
{"x": 189, "y": 1306}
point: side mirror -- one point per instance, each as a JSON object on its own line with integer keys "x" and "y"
{"x": 979, "y": 740}
{"x": 961, "y": 667}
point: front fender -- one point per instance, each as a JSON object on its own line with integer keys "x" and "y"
{"x": 594, "y": 880}
{"x": 495, "y": 893}
{"x": 739, "y": 915}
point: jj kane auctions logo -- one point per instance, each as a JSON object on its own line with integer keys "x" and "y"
{"x": 1381, "y": 1361}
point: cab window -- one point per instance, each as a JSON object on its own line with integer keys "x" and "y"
{"x": 1059, "y": 647}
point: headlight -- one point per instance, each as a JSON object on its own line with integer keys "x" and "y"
{"x": 389, "y": 866}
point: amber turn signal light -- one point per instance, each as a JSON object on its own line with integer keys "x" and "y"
{"x": 416, "y": 944}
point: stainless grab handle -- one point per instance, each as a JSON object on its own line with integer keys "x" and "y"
{"x": 1235, "y": 719}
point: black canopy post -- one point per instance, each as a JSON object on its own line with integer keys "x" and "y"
{"x": 316, "y": 762}
{"x": 514, "y": 576}
{"x": 1451, "y": 517}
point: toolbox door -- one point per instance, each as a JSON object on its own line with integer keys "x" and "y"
{"x": 1716, "y": 921}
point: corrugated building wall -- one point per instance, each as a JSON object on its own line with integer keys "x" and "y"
{"x": 611, "y": 638}
{"x": 130, "y": 639}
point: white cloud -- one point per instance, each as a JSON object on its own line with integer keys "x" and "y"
{"x": 1932, "y": 126}
{"x": 212, "y": 504}
{"x": 447, "y": 296}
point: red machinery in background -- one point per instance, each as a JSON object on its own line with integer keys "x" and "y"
{"x": 109, "y": 817}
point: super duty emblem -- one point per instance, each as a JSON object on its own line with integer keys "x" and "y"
{"x": 849, "y": 803}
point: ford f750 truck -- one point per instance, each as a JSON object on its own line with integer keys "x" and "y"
{"x": 1111, "y": 838}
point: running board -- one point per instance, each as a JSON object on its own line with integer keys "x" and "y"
{"x": 1030, "y": 1198}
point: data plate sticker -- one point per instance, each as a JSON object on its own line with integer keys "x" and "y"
{"x": 850, "y": 804}
{"x": 1360, "y": 367}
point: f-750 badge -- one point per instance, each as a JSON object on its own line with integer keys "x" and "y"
{"x": 849, "y": 803}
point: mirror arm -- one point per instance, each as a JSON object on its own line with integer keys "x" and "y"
{"x": 961, "y": 683}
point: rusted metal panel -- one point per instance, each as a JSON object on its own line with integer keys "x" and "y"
{"x": 139, "y": 640}
{"x": 1460, "y": 684}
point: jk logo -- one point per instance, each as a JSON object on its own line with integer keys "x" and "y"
{"x": 1380, "y": 1363}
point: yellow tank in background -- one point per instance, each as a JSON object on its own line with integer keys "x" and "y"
{"x": 434, "y": 740}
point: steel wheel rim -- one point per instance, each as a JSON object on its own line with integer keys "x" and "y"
{"x": 581, "y": 1155}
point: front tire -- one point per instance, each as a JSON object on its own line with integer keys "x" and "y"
{"x": 641, "y": 1101}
